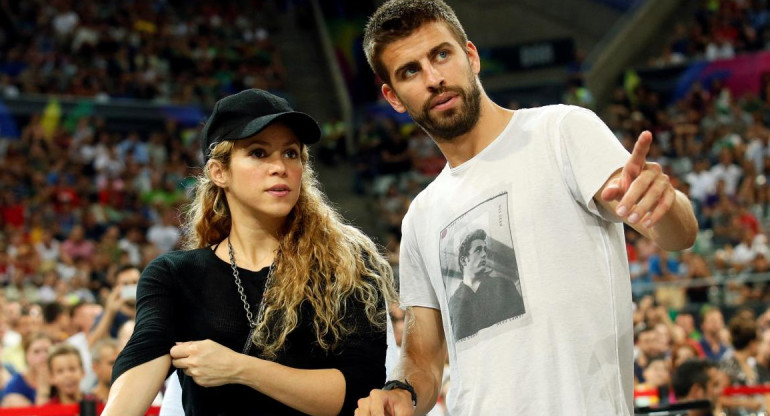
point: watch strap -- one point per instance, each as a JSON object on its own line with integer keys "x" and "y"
{"x": 402, "y": 385}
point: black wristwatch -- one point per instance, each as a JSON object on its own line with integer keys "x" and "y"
{"x": 403, "y": 385}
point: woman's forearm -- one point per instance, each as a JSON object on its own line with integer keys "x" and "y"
{"x": 133, "y": 392}
{"x": 315, "y": 392}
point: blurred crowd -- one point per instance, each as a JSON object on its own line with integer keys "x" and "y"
{"x": 739, "y": 348}
{"x": 165, "y": 51}
{"x": 719, "y": 29}
{"x": 82, "y": 210}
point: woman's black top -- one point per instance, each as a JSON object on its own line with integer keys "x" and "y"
{"x": 192, "y": 295}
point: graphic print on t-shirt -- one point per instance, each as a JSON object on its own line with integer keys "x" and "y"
{"x": 478, "y": 266}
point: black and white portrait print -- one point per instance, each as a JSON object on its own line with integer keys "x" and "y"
{"x": 478, "y": 265}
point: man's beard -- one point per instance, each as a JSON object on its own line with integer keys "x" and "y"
{"x": 454, "y": 122}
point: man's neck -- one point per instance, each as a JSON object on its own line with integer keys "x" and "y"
{"x": 492, "y": 121}
{"x": 712, "y": 339}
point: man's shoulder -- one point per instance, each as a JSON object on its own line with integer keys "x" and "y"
{"x": 553, "y": 110}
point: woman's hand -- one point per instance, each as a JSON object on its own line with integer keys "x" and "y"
{"x": 208, "y": 363}
{"x": 43, "y": 384}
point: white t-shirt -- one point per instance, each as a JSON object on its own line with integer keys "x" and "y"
{"x": 730, "y": 174}
{"x": 702, "y": 184}
{"x": 564, "y": 344}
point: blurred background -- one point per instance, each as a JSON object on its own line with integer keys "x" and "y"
{"x": 101, "y": 104}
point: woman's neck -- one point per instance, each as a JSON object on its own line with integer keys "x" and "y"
{"x": 30, "y": 377}
{"x": 742, "y": 355}
{"x": 253, "y": 248}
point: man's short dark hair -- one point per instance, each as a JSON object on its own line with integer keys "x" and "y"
{"x": 52, "y": 311}
{"x": 642, "y": 330}
{"x": 122, "y": 268}
{"x": 694, "y": 371}
{"x": 465, "y": 246}
{"x": 397, "y": 19}
{"x": 74, "y": 308}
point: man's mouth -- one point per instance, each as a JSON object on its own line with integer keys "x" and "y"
{"x": 443, "y": 100}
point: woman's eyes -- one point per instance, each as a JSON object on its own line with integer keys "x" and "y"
{"x": 261, "y": 153}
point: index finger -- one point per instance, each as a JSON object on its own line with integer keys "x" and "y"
{"x": 641, "y": 148}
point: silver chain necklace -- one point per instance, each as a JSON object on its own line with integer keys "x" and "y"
{"x": 249, "y": 316}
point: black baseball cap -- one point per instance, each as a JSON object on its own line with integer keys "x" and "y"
{"x": 248, "y": 112}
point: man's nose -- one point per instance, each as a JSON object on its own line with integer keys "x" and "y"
{"x": 434, "y": 78}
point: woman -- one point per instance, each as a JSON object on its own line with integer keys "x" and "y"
{"x": 277, "y": 308}
{"x": 741, "y": 367}
{"x": 31, "y": 387}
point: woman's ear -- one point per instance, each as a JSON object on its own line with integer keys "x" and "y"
{"x": 217, "y": 173}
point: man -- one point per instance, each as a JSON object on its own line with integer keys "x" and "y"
{"x": 649, "y": 345}
{"x": 28, "y": 322}
{"x": 552, "y": 185}
{"x": 120, "y": 305}
{"x": 56, "y": 321}
{"x": 698, "y": 379}
{"x": 712, "y": 325}
{"x": 103, "y": 356}
{"x": 82, "y": 317}
{"x": 481, "y": 300}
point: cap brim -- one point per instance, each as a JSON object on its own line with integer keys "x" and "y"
{"x": 304, "y": 126}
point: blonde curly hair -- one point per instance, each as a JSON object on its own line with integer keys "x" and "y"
{"x": 321, "y": 260}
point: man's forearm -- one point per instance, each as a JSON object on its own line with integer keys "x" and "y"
{"x": 102, "y": 328}
{"x": 678, "y": 228}
{"x": 427, "y": 385}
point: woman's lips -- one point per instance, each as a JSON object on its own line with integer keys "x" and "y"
{"x": 279, "y": 191}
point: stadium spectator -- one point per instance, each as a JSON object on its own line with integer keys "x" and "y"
{"x": 66, "y": 373}
{"x": 32, "y": 386}
{"x": 699, "y": 379}
{"x": 120, "y": 305}
{"x": 712, "y": 324}
{"x": 103, "y": 355}
{"x": 741, "y": 366}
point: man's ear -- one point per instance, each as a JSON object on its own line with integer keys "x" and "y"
{"x": 473, "y": 57}
{"x": 390, "y": 94}
{"x": 217, "y": 173}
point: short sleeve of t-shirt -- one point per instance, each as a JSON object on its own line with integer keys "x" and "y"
{"x": 154, "y": 334}
{"x": 590, "y": 153}
{"x": 414, "y": 284}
